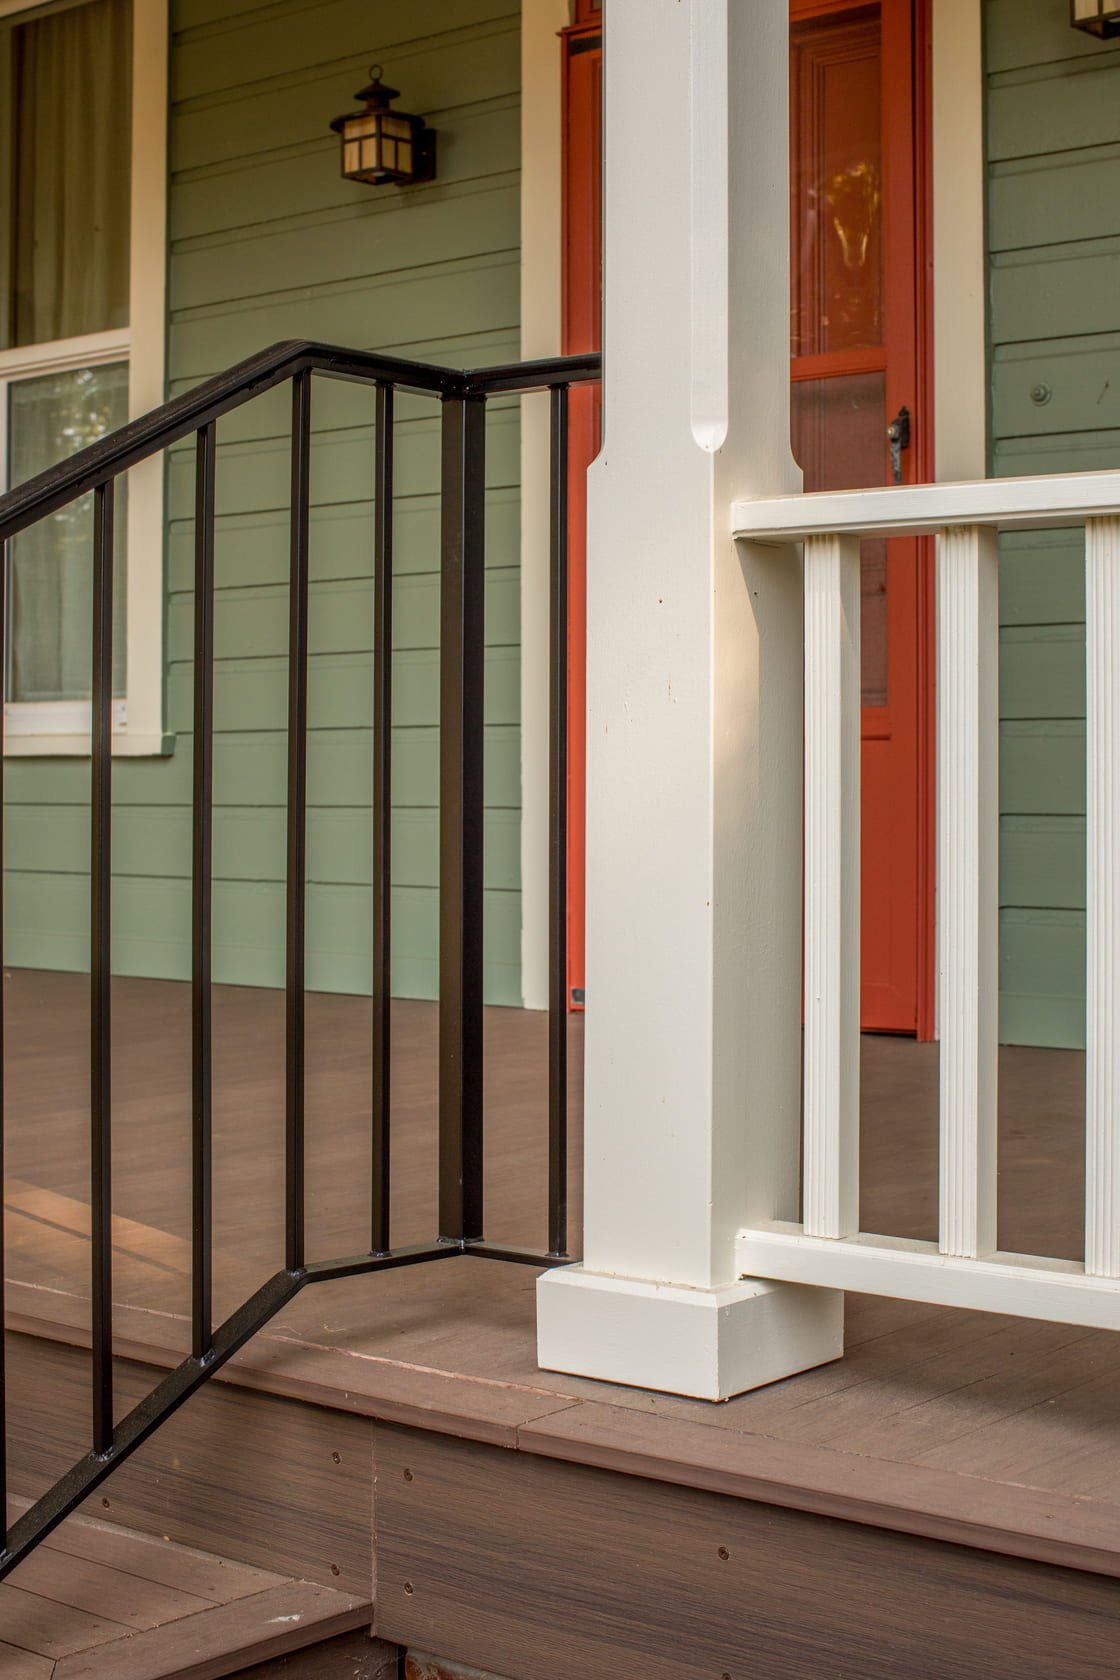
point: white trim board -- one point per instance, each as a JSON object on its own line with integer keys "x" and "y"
{"x": 960, "y": 362}
{"x": 541, "y": 115}
{"x": 147, "y": 380}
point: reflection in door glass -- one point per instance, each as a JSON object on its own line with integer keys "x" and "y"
{"x": 837, "y": 303}
{"x": 838, "y": 430}
{"x": 837, "y": 208}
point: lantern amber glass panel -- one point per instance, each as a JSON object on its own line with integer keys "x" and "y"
{"x": 378, "y": 148}
{"x": 359, "y": 147}
{"x": 396, "y": 145}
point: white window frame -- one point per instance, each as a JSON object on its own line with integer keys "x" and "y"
{"x": 62, "y": 728}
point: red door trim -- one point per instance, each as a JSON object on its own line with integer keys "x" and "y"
{"x": 581, "y": 330}
{"x": 926, "y": 467}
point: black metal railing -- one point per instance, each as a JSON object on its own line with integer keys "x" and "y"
{"x": 461, "y": 1224}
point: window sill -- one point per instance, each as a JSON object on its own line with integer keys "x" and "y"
{"x": 78, "y": 746}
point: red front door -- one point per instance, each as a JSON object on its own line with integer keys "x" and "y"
{"x": 857, "y": 360}
{"x": 857, "y": 366}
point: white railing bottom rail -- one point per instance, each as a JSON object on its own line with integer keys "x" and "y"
{"x": 963, "y": 1268}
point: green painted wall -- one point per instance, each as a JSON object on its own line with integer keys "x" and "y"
{"x": 267, "y": 242}
{"x": 1053, "y": 116}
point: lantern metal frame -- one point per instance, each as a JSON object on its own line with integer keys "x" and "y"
{"x": 377, "y": 134}
{"x": 1102, "y": 20}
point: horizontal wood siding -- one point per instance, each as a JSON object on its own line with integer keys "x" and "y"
{"x": 268, "y": 242}
{"x": 1053, "y": 119}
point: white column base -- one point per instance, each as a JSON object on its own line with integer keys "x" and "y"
{"x": 705, "y": 1343}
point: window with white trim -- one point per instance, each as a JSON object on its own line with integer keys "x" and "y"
{"x": 83, "y": 102}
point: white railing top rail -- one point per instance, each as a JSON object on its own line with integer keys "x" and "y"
{"x": 919, "y": 509}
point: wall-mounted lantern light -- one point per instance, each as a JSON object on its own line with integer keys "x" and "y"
{"x": 1098, "y": 17}
{"x": 380, "y": 145}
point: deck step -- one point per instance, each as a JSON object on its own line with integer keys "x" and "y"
{"x": 102, "y": 1602}
{"x": 277, "y": 1484}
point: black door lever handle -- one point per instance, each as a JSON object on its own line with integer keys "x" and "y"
{"x": 898, "y": 437}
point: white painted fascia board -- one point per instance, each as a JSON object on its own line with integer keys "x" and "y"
{"x": 1059, "y": 1291}
{"x": 920, "y": 509}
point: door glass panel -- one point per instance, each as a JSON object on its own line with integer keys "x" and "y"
{"x": 837, "y": 185}
{"x": 50, "y": 566}
{"x": 838, "y": 432}
{"x": 837, "y": 304}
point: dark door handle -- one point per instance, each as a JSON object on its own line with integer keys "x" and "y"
{"x": 898, "y": 437}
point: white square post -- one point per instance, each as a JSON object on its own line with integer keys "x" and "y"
{"x": 694, "y": 744}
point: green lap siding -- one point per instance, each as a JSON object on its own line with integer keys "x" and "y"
{"x": 1053, "y": 183}
{"x": 266, "y": 241}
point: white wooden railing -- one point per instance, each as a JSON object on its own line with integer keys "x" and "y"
{"x": 964, "y": 1268}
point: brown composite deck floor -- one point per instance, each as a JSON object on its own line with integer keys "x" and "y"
{"x": 99, "y": 1602}
{"x": 1005, "y": 1424}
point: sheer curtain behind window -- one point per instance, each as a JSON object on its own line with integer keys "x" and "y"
{"x": 72, "y": 128}
{"x": 72, "y": 85}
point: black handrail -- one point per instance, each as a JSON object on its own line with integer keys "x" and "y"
{"x": 461, "y": 1225}
{"x": 206, "y": 402}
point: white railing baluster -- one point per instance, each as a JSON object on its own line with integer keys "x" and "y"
{"x": 967, "y": 877}
{"x": 1102, "y": 897}
{"x": 963, "y": 1268}
{"x": 832, "y": 900}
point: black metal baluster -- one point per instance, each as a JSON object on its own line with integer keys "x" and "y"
{"x": 462, "y": 600}
{"x": 461, "y": 1053}
{"x": 202, "y": 1293}
{"x": 101, "y": 729}
{"x": 558, "y": 829}
{"x": 380, "y": 1224}
{"x": 297, "y": 824}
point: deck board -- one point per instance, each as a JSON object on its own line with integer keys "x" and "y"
{"x": 248, "y": 1630}
{"x": 91, "y": 1585}
{"x": 24, "y": 1665}
{"x": 174, "y": 1610}
{"x": 214, "y": 1580}
{"x": 1027, "y": 1408}
{"x": 47, "y": 1628}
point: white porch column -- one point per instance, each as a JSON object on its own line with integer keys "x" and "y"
{"x": 694, "y": 667}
